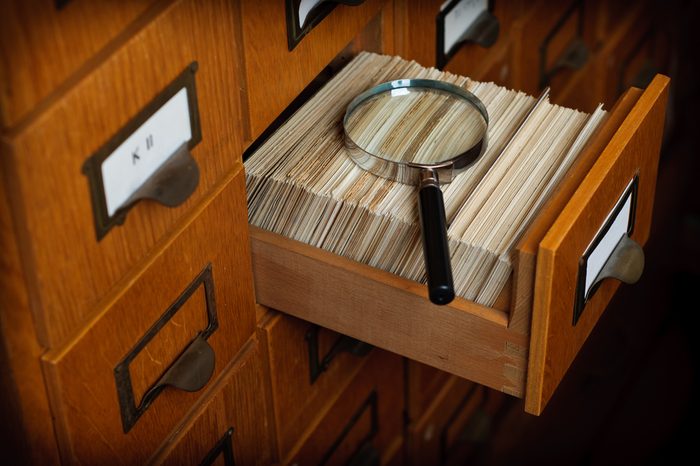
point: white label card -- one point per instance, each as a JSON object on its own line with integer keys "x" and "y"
{"x": 305, "y": 8}
{"x": 459, "y": 19}
{"x": 126, "y": 169}
{"x": 618, "y": 228}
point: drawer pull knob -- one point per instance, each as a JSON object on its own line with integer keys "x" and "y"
{"x": 611, "y": 253}
{"x": 626, "y": 263}
{"x": 172, "y": 184}
{"x": 190, "y": 372}
{"x": 344, "y": 344}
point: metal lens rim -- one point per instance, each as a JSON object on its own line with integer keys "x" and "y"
{"x": 408, "y": 172}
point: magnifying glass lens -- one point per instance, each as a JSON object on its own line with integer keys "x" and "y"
{"x": 418, "y": 125}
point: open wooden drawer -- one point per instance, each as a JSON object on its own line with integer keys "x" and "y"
{"x": 525, "y": 343}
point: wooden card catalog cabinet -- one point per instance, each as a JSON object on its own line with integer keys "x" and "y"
{"x": 525, "y": 342}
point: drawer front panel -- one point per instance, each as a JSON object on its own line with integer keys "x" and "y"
{"x": 423, "y": 383}
{"x": 308, "y": 373}
{"x": 69, "y": 270}
{"x": 145, "y": 360}
{"x": 632, "y": 152}
{"x": 232, "y": 426}
{"x": 364, "y": 421}
{"x": 31, "y": 30}
{"x": 434, "y": 437}
{"x": 416, "y": 34}
{"x": 275, "y": 75}
{"x": 555, "y": 40}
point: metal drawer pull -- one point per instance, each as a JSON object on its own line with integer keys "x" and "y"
{"x": 611, "y": 253}
{"x": 304, "y": 15}
{"x": 149, "y": 157}
{"x": 190, "y": 371}
{"x": 172, "y": 184}
{"x": 626, "y": 263}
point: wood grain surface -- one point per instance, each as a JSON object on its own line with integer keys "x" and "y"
{"x": 422, "y": 383}
{"x": 453, "y": 404}
{"x": 416, "y": 34}
{"x": 526, "y": 250}
{"x": 384, "y": 310}
{"x": 27, "y": 435}
{"x": 275, "y": 76}
{"x": 634, "y": 149}
{"x": 383, "y": 374}
{"x": 68, "y": 270}
{"x": 300, "y": 404}
{"x": 42, "y": 46}
{"x": 81, "y": 376}
{"x": 238, "y": 402}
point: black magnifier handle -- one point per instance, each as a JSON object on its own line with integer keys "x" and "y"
{"x": 436, "y": 252}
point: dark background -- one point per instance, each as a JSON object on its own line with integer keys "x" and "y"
{"x": 629, "y": 398}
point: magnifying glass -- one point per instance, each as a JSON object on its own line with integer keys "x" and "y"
{"x": 421, "y": 132}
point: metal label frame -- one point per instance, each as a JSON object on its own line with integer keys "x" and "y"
{"x": 581, "y": 296}
{"x": 223, "y": 446}
{"x": 130, "y": 412}
{"x": 92, "y": 168}
{"x": 442, "y": 58}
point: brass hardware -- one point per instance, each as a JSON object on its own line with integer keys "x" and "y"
{"x": 483, "y": 31}
{"x": 626, "y": 263}
{"x": 189, "y": 372}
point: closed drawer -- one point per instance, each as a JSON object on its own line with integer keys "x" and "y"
{"x": 526, "y": 342}
{"x": 69, "y": 270}
{"x": 423, "y": 382}
{"x": 553, "y": 41}
{"x": 128, "y": 379}
{"x": 276, "y": 75}
{"x": 309, "y": 368}
{"x": 631, "y": 54}
{"x": 434, "y": 437}
{"x": 365, "y": 422}
{"x": 69, "y": 32}
{"x": 232, "y": 426}
{"x": 419, "y": 24}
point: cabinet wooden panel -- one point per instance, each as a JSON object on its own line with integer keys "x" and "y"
{"x": 365, "y": 420}
{"x": 422, "y": 383}
{"x": 553, "y": 41}
{"x": 198, "y": 286}
{"x": 433, "y": 437}
{"x": 633, "y": 151}
{"x": 416, "y": 34}
{"x": 68, "y": 32}
{"x": 232, "y": 426}
{"x": 488, "y": 345}
{"x": 625, "y": 52}
{"x": 275, "y": 76}
{"x": 68, "y": 271}
{"x": 299, "y": 400}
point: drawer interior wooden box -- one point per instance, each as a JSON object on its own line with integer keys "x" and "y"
{"x": 525, "y": 342}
